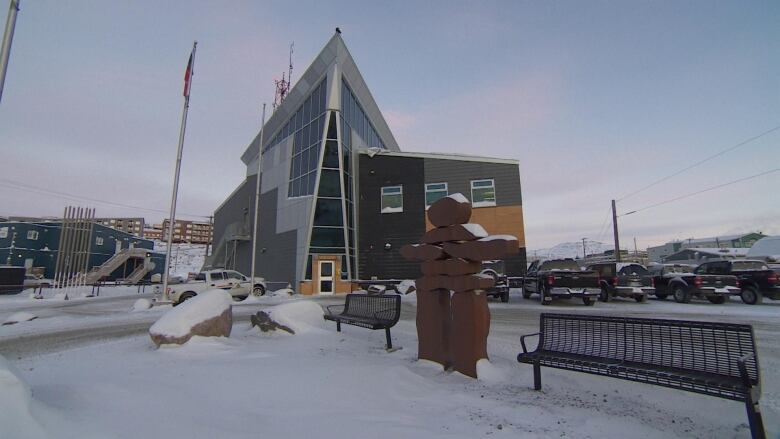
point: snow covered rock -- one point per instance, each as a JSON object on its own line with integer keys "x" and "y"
{"x": 295, "y": 318}
{"x": 21, "y": 316}
{"x": 142, "y": 305}
{"x": 208, "y": 314}
{"x": 284, "y": 292}
{"x": 16, "y": 419}
{"x": 406, "y": 287}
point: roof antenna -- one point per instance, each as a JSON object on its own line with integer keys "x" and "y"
{"x": 283, "y": 85}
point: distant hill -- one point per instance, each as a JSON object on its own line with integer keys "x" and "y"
{"x": 569, "y": 250}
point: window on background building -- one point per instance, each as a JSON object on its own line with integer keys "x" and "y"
{"x": 392, "y": 199}
{"x": 32, "y": 234}
{"x": 99, "y": 240}
{"x": 434, "y": 192}
{"x": 483, "y": 193}
{"x": 3, "y": 232}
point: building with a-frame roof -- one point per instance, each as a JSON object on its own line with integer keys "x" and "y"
{"x": 338, "y": 198}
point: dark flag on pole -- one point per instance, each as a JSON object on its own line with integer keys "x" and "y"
{"x": 188, "y": 77}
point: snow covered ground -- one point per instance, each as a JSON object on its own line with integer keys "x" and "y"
{"x": 346, "y": 385}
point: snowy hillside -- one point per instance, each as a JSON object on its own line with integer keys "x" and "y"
{"x": 570, "y": 250}
{"x": 185, "y": 258}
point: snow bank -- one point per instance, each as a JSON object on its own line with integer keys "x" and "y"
{"x": 179, "y": 321}
{"x": 142, "y": 305}
{"x": 489, "y": 373}
{"x": 299, "y": 316}
{"x": 284, "y": 292}
{"x": 405, "y": 286}
{"x": 18, "y": 317}
{"x": 16, "y": 419}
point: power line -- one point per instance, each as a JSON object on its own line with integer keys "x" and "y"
{"x": 731, "y": 148}
{"x": 43, "y": 191}
{"x": 702, "y": 191}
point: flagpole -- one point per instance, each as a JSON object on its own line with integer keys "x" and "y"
{"x": 172, "y": 218}
{"x": 257, "y": 199}
{"x": 8, "y": 36}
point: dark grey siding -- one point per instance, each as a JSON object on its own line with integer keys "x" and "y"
{"x": 458, "y": 175}
{"x": 275, "y": 252}
{"x": 235, "y": 210}
{"x": 376, "y": 229}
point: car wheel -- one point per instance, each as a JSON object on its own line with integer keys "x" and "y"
{"x": 680, "y": 295}
{"x": 505, "y": 296}
{"x": 258, "y": 290}
{"x": 661, "y": 296}
{"x": 185, "y": 296}
{"x": 751, "y": 296}
{"x": 542, "y": 295}
{"x": 588, "y": 301}
{"x": 641, "y": 298}
{"x": 604, "y": 296}
{"x": 526, "y": 294}
{"x": 718, "y": 300}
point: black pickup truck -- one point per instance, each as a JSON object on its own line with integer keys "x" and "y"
{"x": 563, "y": 279}
{"x": 623, "y": 279}
{"x": 756, "y": 279}
{"x": 685, "y": 282}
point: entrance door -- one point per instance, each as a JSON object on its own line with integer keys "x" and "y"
{"x": 326, "y": 277}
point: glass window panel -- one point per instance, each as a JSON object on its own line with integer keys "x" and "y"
{"x": 483, "y": 193}
{"x": 312, "y": 179}
{"x": 307, "y": 110}
{"x": 392, "y": 199}
{"x": 351, "y": 235}
{"x": 328, "y": 212}
{"x": 332, "y": 126}
{"x": 344, "y": 267}
{"x": 434, "y": 192}
{"x": 308, "y": 267}
{"x": 299, "y": 119}
{"x": 314, "y": 157}
{"x": 290, "y": 190}
{"x": 331, "y": 158}
{"x": 305, "y": 161}
{"x": 331, "y": 250}
{"x": 328, "y": 237}
{"x": 330, "y": 183}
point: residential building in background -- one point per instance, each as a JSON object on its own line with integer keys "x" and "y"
{"x": 193, "y": 232}
{"x": 133, "y": 226}
{"x": 155, "y": 233}
{"x": 662, "y": 252}
{"x": 338, "y": 198}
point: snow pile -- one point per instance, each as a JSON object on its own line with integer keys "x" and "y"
{"x": 301, "y": 317}
{"x": 284, "y": 292}
{"x": 21, "y": 316}
{"x": 16, "y": 419}
{"x": 406, "y": 286}
{"x": 489, "y": 373}
{"x": 180, "y": 320}
{"x": 142, "y": 305}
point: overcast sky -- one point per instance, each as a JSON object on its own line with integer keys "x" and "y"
{"x": 595, "y": 99}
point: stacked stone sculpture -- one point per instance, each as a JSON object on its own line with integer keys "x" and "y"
{"x": 453, "y": 319}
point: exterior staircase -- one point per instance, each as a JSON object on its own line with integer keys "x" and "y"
{"x": 139, "y": 273}
{"x": 115, "y": 262}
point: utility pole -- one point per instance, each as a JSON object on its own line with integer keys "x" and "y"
{"x": 8, "y": 36}
{"x": 583, "y": 248}
{"x": 211, "y": 222}
{"x": 615, "y": 231}
{"x": 636, "y": 251}
{"x": 257, "y": 197}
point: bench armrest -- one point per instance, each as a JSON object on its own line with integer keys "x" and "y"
{"x": 522, "y": 340}
{"x": 743, "y": 369}
{"x": 330, "y": 311}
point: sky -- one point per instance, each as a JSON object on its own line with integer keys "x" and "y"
{"x": 596, "y": 100}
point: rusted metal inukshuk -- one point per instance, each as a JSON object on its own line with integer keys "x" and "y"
{"x": 453, "y": 319}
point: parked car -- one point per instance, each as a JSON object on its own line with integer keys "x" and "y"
{"x": 495, "y": 269}
{"x": 684, "y": 282}
{"x": 561, "y": 279}
{"x": 235, "y": 283}
{"x": 756, "y": 279}
{"x": 33, "y": 281}
{"x": 623, "y": 280}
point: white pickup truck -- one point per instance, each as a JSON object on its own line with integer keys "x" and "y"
{"x": 235, "y": 283}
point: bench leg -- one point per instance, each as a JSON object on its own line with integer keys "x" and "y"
{"x": 754, "y": 419}
{"x": 537, "y": 376}
{"x": 338, "y": 326}
{"x": 389, "y": 340}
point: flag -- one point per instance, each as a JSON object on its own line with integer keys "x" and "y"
{"x": 188, "y": 77}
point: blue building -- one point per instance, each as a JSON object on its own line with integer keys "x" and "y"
{"x": 31, "y": 245}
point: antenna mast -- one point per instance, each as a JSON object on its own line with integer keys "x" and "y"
{"x": 283, "y": 85}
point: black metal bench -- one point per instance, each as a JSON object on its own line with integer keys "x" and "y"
{"x": 368, "y": 311}
{"x": 717, "y": 359}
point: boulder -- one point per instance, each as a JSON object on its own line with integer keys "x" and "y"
{"x": 208, "y": 314}
{"x": 264, "y": 321}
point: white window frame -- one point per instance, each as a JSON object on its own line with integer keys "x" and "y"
{"x": 483, "y": 203}
{"x": 99, "y": 240}
{"x": 3, "y": 232}
{"x": 427, "y": 190}
{"x": 32, "y": 235}
{"x": 382, "y": 195}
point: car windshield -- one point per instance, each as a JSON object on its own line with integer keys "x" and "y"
{"x": 748, "y": 266}
{"x": 633, "y": 270}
